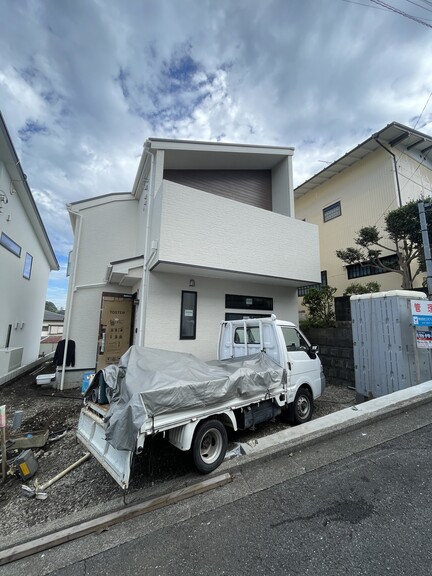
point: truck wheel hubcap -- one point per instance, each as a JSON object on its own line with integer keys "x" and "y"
{"x": 303, "y": 406}
{"x": 211, "y": 446}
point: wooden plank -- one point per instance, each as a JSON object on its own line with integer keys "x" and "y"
{"x": 97, "y": 524}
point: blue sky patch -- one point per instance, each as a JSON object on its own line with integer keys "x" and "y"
{"x": 31, "y": 128}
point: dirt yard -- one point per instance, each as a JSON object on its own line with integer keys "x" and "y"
{"x": 47, "y": 409}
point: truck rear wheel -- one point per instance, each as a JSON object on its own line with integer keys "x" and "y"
{"x": 209, "y": 445}
{"x": 301, "y": 409}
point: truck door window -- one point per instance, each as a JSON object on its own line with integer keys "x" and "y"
{"x": 294, "y": 341}
{"x": 252, "y": 332}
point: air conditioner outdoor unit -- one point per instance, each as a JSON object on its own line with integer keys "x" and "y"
{"x": 10, "y": 359}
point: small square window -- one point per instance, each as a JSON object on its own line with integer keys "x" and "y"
{"x": 28, "y": 266}
{"x": 332, "y": 211}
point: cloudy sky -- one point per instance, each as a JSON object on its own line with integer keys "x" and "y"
{"x": 83, "y": 83}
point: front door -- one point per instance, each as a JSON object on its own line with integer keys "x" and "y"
{"x": 115, "y": 328}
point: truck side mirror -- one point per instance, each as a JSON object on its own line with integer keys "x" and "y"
{"x": 313, "y": 351}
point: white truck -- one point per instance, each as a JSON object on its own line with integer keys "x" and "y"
{"x": 265, "y": 367}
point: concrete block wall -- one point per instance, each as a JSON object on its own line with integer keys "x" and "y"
{"x": 336, "y": 352}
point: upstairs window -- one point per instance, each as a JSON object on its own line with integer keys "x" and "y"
{"x": 303, "y": 290}
{"x": 332, "y": 211}
{"x": 28, "y": 263}
{"x": 366, "y": 269}
{"x": 10, "y": 245}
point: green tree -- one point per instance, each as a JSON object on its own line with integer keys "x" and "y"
{"x": 50, "y": 306}
{"x": 357, "y": 288}
{"x": 403, "y": 238}
{"x": 319, "y": 303}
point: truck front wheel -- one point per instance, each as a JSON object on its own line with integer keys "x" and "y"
{"x": 209, "y": 445}
{"x": 301, "y": 409}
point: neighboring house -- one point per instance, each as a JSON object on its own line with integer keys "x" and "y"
{"x": 52, "y": 332}
{"x": 26, "y": 259}
{"x": 52, "y": 324}
{"x": 382, "y": 173}
{"x": 208, "y": 233}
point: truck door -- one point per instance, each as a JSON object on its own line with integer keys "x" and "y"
{"x": 303, "y": 367}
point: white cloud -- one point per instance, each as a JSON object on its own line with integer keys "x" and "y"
{"x": 83, "y": 83}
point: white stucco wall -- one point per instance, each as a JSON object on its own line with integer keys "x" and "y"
{"x": 23, "y": 300}
{"x": 108, "y": 233}
{"x": 164, "y": 310}
{"x": 282, "y": 193}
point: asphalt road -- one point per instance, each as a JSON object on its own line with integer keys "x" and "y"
{"x": 368, "y": 513}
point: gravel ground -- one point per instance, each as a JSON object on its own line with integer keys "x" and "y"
{"x": 89, "y": 484}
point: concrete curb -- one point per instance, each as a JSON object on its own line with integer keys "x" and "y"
{"x": 285, "y": 442}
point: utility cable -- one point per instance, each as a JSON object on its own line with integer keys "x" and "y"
{"x": 401, "y": 12}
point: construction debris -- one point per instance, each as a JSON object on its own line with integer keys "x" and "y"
{"x": 39, "y": 489}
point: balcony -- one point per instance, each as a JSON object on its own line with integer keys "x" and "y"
{"x": 212, "y": 236}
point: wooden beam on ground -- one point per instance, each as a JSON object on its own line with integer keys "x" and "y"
{"x": 97, "y": 524}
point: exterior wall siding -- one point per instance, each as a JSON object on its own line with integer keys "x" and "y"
{"x": 203, "y": 230}
{"x": 415, "y": 179}
{"x": 108, "y": 233}
{"x": 251, "y": 187}
{"x": 25, "y": 299}
{"x": 366, "y": 192}
{"x": 164, "y": 302}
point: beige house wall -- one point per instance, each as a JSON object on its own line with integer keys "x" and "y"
{"x": 366, "y": 192}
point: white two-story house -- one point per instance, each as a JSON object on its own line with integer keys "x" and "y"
{"x": 26, "y": 259}
{"x": 208, "y": 233}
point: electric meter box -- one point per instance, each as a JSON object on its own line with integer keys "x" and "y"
{"x": 386, "y": 357}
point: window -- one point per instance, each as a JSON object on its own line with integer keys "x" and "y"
{"x": 294, "y": 341}
{"x": 28, "y": 266}
{"x": 10, "y": 245}
{"x": 188, "y": 315}
{"x": 332, "y": 211}
{"x": 252, "y": 333}
{"x": 248, "y": 302}
{"x": 366, "y": 269}
{"x": 303, "y": 290}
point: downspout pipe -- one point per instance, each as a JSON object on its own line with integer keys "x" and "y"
{"x": 147, "y": 255}
{"x": 376, "y": 138}
{"x": 72, "y": 292}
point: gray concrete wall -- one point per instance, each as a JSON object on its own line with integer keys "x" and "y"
{"x": 336, "y": 352}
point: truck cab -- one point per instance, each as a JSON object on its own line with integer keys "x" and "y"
{"x": 286, "y": 345}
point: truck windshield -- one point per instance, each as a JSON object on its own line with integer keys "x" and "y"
{"x": 252, "y": 332}
{"x": 294, "y": 340}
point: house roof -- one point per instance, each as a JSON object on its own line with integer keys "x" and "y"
{"x": 193, "y": 154}
{"x": 51, "y": 339}
{"x": 391, "y": 135}
{"x": 184, "y": 154}
{"x": 53, "y": 316}
{"x": 10, "y": 158}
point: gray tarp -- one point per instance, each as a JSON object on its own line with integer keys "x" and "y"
{"x": 149, "y": 382}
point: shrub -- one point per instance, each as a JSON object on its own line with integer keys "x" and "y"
{"x": 357, "y": 288}
{"x": 319, "y": 303}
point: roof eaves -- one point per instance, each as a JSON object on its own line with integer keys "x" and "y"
{"x": 23, "y": 185}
